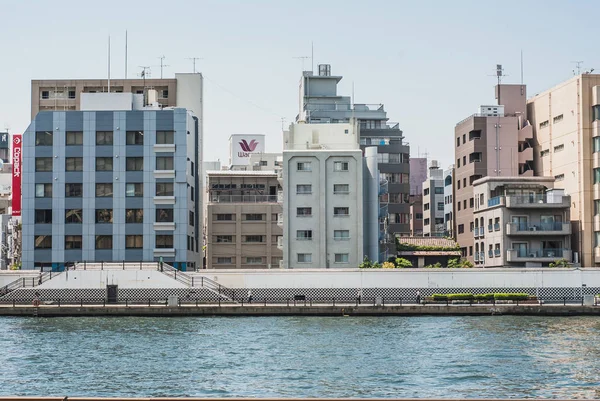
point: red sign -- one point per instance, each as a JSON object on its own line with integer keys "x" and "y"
{"x": 16, "y": 179}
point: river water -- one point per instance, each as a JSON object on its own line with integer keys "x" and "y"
{"x": 496, "y": 356}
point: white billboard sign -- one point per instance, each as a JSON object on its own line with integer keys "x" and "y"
{"x": 241, "y": 146}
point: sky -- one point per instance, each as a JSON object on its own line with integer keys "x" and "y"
{"x": 430, "y": 62}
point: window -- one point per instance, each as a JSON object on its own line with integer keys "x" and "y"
{"x": 224, "y": 260}
{"x": 304, "y": 258}
{"x": 596, "y": 175}
{"x": 45, "y": 94}
{"x": 304, "y": 166}
{"x": 559, "y": 148}
{"x": 471, "y": 203}
{"x": 596, "y": 144}
{"x": 74, "y": 164}
{"x": 545, "y": 152}
{"x": 73, "y": 216}
{"x": 134, "y": 189}
{"x": 224, "y": 217}
{"x": 341, "y": 258}
{"x": 134, "y": 138}
{"x": 254, "y": 238}
{"x": 341, "y": 235}
{"x": 164, "y": 93}
{"x": 464, "y": 183}
{"x": 254, "y": 217}
{"x": 341, "y": 211}
{"x": 464, "y": 138}
{"x": 559, "y": 177}
{"x": 224, "y": 238}
{"x": 43, "y": 190}
{"x": 304, "y": 235}
{"x": 439, "y": 190}
{"x": 71, "y": 94}
{"x": 426, "y": 207}
{"x": 426, "y": 222}
{"x": 192, "y": 169}
{"x": 340, "y": 166}
{"x": 164, "y": 216}
{"x": 164, "y": 189}
{"x": 134, "y": 241}
{"x": 263, "y": 163}
{"x": 596, "y": 239}
{"x": 191, "y": 220}
{"x": 165, "y": 137}
{"x": 43, "y": 242}
{"x": 419, "y": 216}
{"x": 461, "y": 228}
{"x": 104, "y": 138}
{"x": 465, "y": 204}
{"x": 440, "y": 205}
{"x": 73, "y": 241}
{"x": 104, "y": 242}
{"x": 341, "y": 188}
{"x": 104, "y": 216}
{"x": 459, "y": 205}
{"x": 164, "y": 162}
{"x": 425, "y": 191}
{"x": 134, "y": 215}
{"x": 134, "y": 164}
{"x": 458, "y": 184}
{"x": 458, "y": 162}
{"x": 104, "y": 164}
{"x": 596, "y": 207}
{"x": 74, "y": 138}
{"x": 254, "y": 260}
{"x": 104, "y": 190}
{"x": 192, "y": 193}
{"x": 43, "y": 164}
{"x": 73, "y": 190}
{"x": 43, "y": 216}
{"x": 304, "y": 211}
{"x": 464, "y": 160}
{"x": 43, "y": 138}
{"x": 457, "y": 143}
{"x": 557, "y": 119}
{"x": 596, "y": 112}
{"x": 164, "y": 241}
{"x": 544, "y": 124}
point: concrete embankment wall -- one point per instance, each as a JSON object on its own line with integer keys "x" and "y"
{"x": 406, "y": 278}
{"x": 413, "y": 310}
{"x": 121, "y": 278}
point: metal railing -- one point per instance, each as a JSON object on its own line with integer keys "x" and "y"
{"x": 27, "y": 282}
{"x": 552, "y": 226}
{"x": 542, "y": 253}
{"x": 244, "y": 199}
{"x": 191, "y": 281}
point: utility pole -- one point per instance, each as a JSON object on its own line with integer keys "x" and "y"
{"x": 162, "y": 65}
{"x": 194, "y": 61}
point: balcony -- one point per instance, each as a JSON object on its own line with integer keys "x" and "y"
{"x": 383, "y": 211}
{"x": 280, "y": 219}
{"x": 496, "y": 226}
{"x": 164, "y": 252}
{"x": 280, "y": 176}
{"x": 538, "y": 201}
{"x": 498, "y": 200}
{"x": 164, "y": 147}
{"x": 164, "y": 200}
{"x": 525, "y": 155}
{"x": 244, "y": 199}
{"x": 497, "y": 252}
{"x": 526, "y": 133}
{"x": 164, "y": 173}
{"x": 280, "y": 196}
{"x": 543, "y": 255}
{"x": 478, "y": 232}
{"x": 383, "y": 187}
{"x": 280, "y": 243}
{"x": 164, "y": 226}
{"x": 538, "y": 229}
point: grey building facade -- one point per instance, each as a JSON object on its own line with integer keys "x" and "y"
{"x": 319, "y": 102}
{"x": 112, "y": 186}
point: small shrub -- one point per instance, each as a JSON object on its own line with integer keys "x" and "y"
{"x": 402, "y": 263}
{"x": 467, "y": 264}
{"x": 517, "y": 296}
{"x": 388, "y": 265}
{"x": 434, "y": 266}
{"x": 560, "y": 263}
{"x": 484, "y": 297}
{"x": 376, "y": 265}
{"x": 439, "y": 297}
{"x": 366, "y": 264}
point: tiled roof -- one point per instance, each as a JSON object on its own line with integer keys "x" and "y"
{"x": 428, "y": 241}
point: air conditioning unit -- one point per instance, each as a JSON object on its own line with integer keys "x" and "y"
{"x": 532, "y": 228}
{"x": 532, "y": 255}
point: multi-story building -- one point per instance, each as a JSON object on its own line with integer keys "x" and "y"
{"x": 112, "y": 182}
{"x": 496, "y": 141}
{"x": 448, "y": 202}
{"x": 566, "y": 126}
{"x": 418, "y": 174}
{"x": 185, "y": 90}
{"x": 243, "y": 230}
{"x": 520, "y": 222}
{"x": 323, "y": 196}
{"x": 319, "y": 102}
{"x": 433, "y": 202}
{"x": 266, "y": 161}
{"x": 416, "y": 215}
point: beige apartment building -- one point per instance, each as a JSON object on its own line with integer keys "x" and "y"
{"x": 566, "y": 127}
{"x": 242, "y": 213}
{"x": 520, "y": 222}
{"x": 496, "y": 141}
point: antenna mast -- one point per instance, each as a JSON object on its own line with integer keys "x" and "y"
{"x": 109, "y": 64}
{"x": 125, "y": 54}
{"x": 577, "y": 67}
{"x": 193, "y": 61}
{"x": 143, "y": 74}
{"x": 521, "y": 67}
{"x": 302, "y": 58}
{"x": 166, "y": 65}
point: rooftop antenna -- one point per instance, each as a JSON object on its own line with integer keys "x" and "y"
{"x": 194, "y": 61}
{"x": 521, "y": 66}
{"x": 165, "y": 65}
{"x": 145, "y": 72}
{"x": 577, "y": 67}
{"x": 109, "y": 64}
{"x": 499, "y": 75}
{"x": 312, "y": 56}
{"x": 303, "y": 58}
{"x": 126, "y": 54}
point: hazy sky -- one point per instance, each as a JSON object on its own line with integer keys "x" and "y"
{"x": 429, "y": 62}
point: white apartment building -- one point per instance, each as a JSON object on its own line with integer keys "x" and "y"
{"x": 433, "y": 202}
{"x": 323, "y": 196}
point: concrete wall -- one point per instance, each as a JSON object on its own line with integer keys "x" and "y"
{"x": 122, "y": 278}
{"x": 407, "y": 278}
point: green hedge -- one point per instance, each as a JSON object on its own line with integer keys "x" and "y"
{"x": 517, "y": 296}
{"x": 440, "y": 297}
{"x": 484, "y": 297}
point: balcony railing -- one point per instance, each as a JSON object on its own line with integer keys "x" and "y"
{"x": 383, "y": 211}
{"x": 244, "y": 199}
{"x": 494, "y": 201}
{"x": 549, "y": 253}
{"x": 556, "y": 226}
{"x": 383, "y": 187}
{"x": 536, "y": 200}
{"x": 497, "y": 252}
{"x": 496, "y": 226}
{"x": 490, "y": 228}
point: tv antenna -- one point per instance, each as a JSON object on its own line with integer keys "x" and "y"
{"x": 194, "y": 61}
{"x": 145, "y": 73}
{"x": 303, "y": 58}
{"x": 499, "y": 75}
{"x": 577, "y": 67}
{"x": 162, "y": 65}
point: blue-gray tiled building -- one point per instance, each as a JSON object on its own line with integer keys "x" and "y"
{"x": 112, "y": 186}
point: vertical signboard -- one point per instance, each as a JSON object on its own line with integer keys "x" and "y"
{"x": 16, "y": 178}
